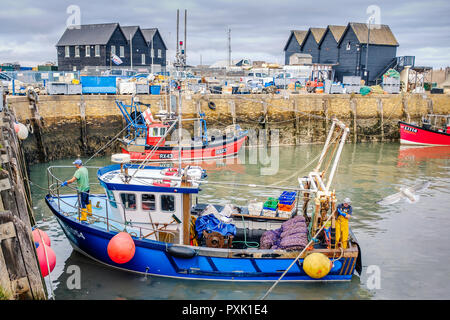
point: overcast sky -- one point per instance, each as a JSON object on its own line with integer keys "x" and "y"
{"x": 29, "y": 29}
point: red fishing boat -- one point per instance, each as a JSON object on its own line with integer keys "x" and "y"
{"x": 435, "y": 130}
{"x": 147, "y": 138}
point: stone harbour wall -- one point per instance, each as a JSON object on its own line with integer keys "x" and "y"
{"x": 78, "y": 125}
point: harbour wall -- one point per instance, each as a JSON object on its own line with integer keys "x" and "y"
{"x": 78, "y": 125}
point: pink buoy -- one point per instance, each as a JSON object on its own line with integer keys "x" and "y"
{"x": 16, "y": 127}
{"x": 43, "y": 260}
{"x": 44, "y": 235}
{"x": 121, "y": 248}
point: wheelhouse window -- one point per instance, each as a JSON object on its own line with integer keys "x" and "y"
{"x": 67, "y": 51}
{"x": 162, "y": 131}
{"x": 167, "y": 203}
{"x": 128, "y": 200}
{"x": 111, "y": 198}
{"x": 88, "y": 51}
{"x": 148, "y": 202}
{"x": 97, "y": 50}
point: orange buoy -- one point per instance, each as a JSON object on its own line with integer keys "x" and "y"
{"x": 121, "y": 248}
{"x": 43, "y": 260}
{"x": 37, "y": 237}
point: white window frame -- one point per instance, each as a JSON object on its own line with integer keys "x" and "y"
{"x": 152, "y": 53}
{"x": 123, "y": 204}
{"x": 143, "y": 58}
{"x": 155, "y": 199}
{"x": 97, "y": 50}
{"x": 159, "y": 53}
{"x": 122, "y": 51}
{"x": 174, "y": 203}
{"x": 348, "y": 46}
{"x": 77, "y": 51}
{"x": 87, "y": 51}
{"x": 67, "y": 51}
{"x": 113, "y": 50}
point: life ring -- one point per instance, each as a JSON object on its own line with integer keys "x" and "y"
{"x": 211, "y": 105}
{"x": 169, "y": 171}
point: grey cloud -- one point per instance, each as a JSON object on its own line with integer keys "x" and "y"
{"x": 259, "y": 28}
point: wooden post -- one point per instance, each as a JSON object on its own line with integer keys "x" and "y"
{"x": 380, "y": 110}
{"x": 20, "y": 275}
{"x": 82, "y": 105}
{"x": 37, "y": 125}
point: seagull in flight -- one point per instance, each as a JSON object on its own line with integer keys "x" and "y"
{"x": 405, "y": 193}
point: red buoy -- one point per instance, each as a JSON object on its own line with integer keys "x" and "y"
{"x": 37, "y": 238}
{"x": 43, "y": 260}
{"x": 121, "y": 248}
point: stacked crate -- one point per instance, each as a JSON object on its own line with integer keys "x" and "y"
{"x": 391, "y": 84}
{"x": 352, "y": 84}
{"x": 286, "y": 204}
{"x": 270, "y": 207}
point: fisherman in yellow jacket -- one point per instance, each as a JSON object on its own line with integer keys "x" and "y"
{"x": 344, "y": 211}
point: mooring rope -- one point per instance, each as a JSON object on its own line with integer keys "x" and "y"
{"x": 110, "y": 141}
{"x": 295, "y": 260}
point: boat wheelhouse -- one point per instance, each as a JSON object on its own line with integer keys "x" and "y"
{"x": 435, "y": 130}
{"x": 158, "y": 208}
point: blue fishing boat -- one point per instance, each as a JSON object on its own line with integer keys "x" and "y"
{"x": 156, "y": 207}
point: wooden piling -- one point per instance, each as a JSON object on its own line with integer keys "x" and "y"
{"x": 83, "y": 138}
{"x": 20, "y": 275}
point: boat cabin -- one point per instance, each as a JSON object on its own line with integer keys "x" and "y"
{"x": 437, "y": 122}
{"x": 155, "y": 132}
{"x": 157, "y": 198}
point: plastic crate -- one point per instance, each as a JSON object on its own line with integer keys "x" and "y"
{"x": 271, "y": 204}
{"x": 287, "y": 197}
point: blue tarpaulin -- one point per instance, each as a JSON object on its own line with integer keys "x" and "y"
{"x": 210, "y": 223}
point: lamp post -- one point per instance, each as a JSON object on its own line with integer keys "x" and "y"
{"x": 367, "y": 55}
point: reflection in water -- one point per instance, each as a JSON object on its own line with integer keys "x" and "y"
{"x": 407, "y": 241}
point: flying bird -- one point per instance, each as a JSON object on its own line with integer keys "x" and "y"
{"x": 405, "y": 193}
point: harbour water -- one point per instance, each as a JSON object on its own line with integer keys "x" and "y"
{"x": 404, "y": 243}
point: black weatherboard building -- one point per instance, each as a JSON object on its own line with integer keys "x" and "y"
{"x": 345, "y": 47}
{"x": 93, "y": 44}
{"x": 294, "y": 44}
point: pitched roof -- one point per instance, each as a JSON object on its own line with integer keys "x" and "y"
{"x": 299, "y": 36}
{"x": 88, "y": 34}
{"x": 380, "y": 34}
{"x": 337, "y": 31}
{"x": 129, "y": 30}
{"x": 149, "y": 33}
{"x": 317, "y": 33}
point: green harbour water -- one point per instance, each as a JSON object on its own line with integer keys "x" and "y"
{"x": 407, "y": 242}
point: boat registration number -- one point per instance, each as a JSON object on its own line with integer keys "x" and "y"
{"x": 414, "y": 130}
{"x": 165, "y": 156}
{"x": 220, "y": 151}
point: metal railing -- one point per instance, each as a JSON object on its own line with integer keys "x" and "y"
{"x": 54, "y": 185}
